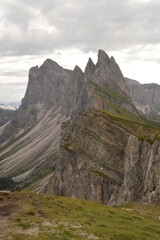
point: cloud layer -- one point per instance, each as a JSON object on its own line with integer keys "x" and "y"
{"x": 31, "y": 27}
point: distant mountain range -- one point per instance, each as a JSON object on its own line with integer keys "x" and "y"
{"x": 6, "y": 107}
{"x": 12, "y": 104}
{"x": 85, "y": 134}
{"x": 146, "y": 97}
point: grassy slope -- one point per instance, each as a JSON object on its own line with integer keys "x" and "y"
{"x": 142, "y": 130}
{"x": 31, "y": 216}
{"x": 118, "y": 103}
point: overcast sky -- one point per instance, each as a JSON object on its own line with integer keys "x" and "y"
{"x": 69, "y": 31}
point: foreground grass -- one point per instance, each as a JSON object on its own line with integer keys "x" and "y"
{"x": 31, "y": 216}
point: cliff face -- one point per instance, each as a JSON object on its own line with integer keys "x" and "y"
{"x": 101, "y": 160}
{"x": 142, "y": 172}
{"x": 107, "y": 73}
{"x": 33, "y": 136}
{"x": 145, "y": 97}
{"x": 86, "y": 154}
{"x": 45, "y": 91}
{"x": 51, "y": 87}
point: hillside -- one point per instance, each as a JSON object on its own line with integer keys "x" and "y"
{"x": 32, "y": 216}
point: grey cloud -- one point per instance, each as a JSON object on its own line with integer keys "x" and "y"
{"x": 13, "y": 84}
{"x": 17, "y": 14}
{"x": 14, "y": 73}
{"x": 86, "y": 25}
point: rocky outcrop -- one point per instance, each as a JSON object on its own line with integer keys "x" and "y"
{"x": 101, "y": 160}
{"x": 45, "y": 90}
{"x": 142, "y": 173}
{"x": 86, "y": 154}
{"x": 145, "y": 97}
{"x": 33, "y": 136}
{"x": 107, "y": 73}
{"x": 73, "y": 91}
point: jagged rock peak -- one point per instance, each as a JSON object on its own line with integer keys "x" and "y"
{"x": 90, "y": 67}
{"x": 77, "y": 69}
{"x": 35, "y": 68}
{"x": 49, "y": 63}
{"x": 112, "y": 59}
{"x": 102, "y": 56}
{"x": 90, "y": 63}
{"x": 33, "y": 71}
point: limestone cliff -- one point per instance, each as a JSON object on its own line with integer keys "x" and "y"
{"x": 145, "y": 97}
{"x": 142, "y": 172}
{"x": 101, "y": 160}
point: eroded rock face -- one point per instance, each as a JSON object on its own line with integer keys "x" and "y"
{"x": 86, "y": 153}
{"x": 47, "y": 90}
{"x": 145, "y": 97}
{"x": 133, "y": 169}
{"x": 105, "y": 73}
{"x": 101, "y": 160}
{"x": 51, "y": 86}
{"x": 142, "y": 172}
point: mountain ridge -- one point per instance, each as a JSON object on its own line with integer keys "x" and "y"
{"x": 59, "y": 103}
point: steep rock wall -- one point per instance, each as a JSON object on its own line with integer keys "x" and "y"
{"x": 142, "y": 172}
{"x": 101, "y": 160}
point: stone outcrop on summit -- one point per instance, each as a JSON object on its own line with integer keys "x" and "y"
{"x": 79, "y": 134}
